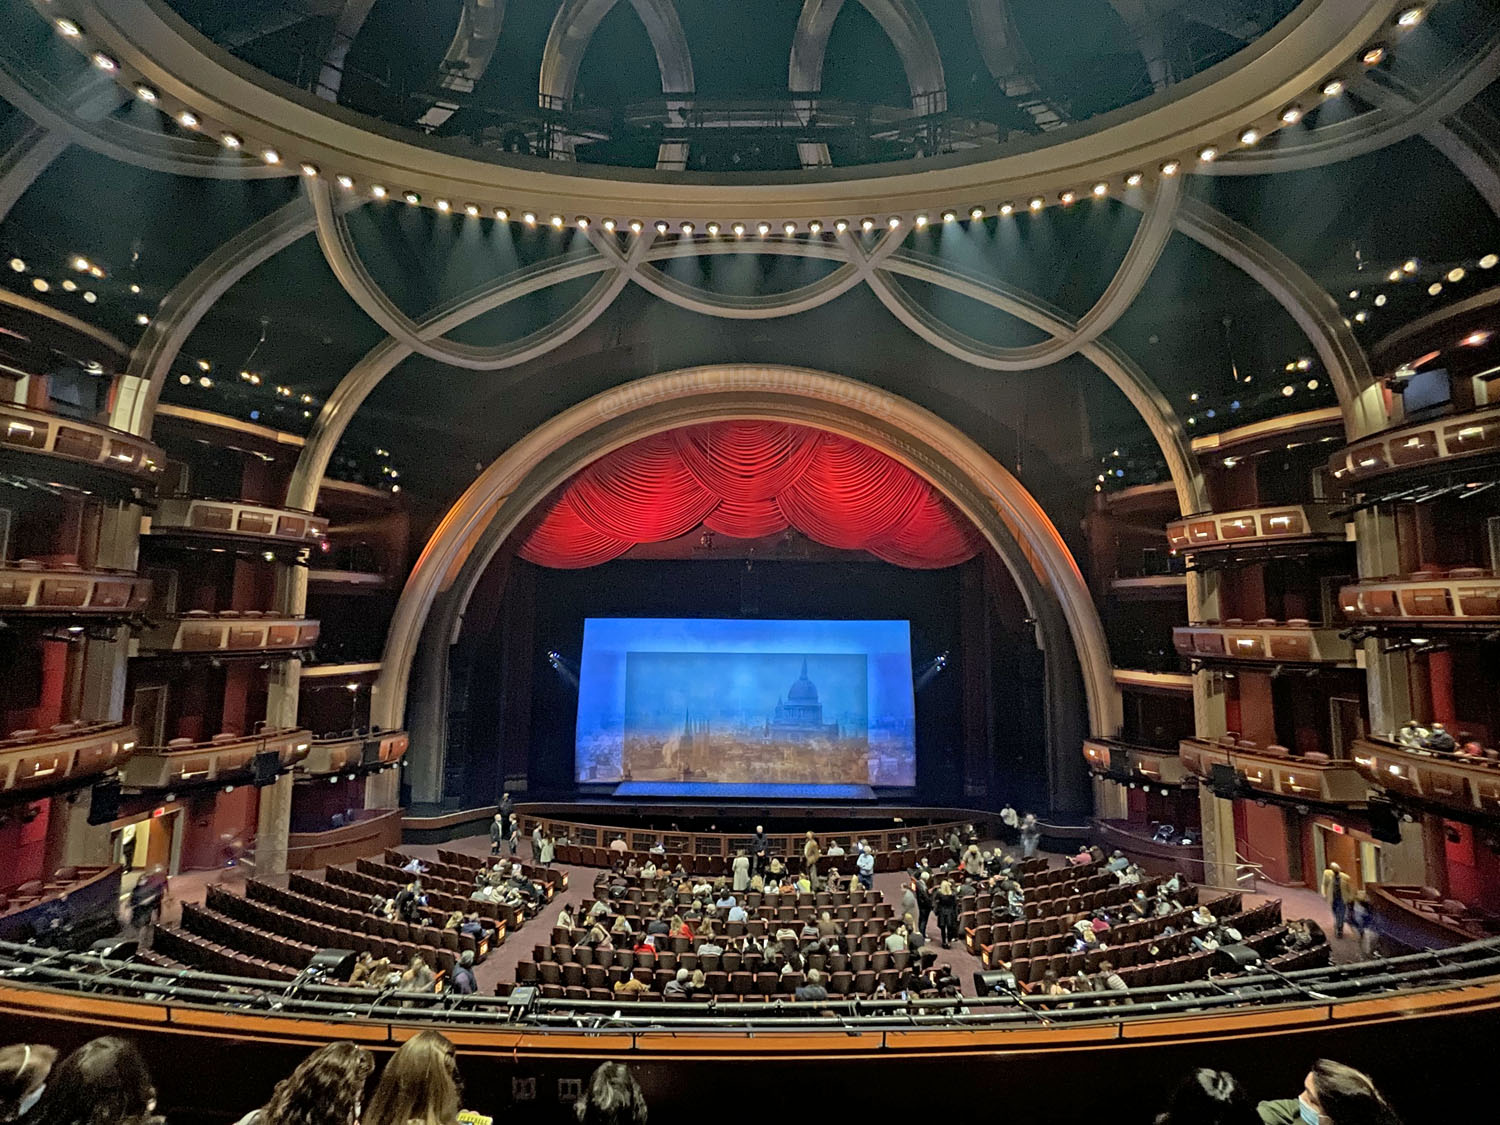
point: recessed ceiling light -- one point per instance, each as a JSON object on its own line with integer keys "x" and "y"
{"x": 1007, "y": 208}
{"x": 1361, "y": 316}
{"x": 1250, "y": 137}
{"x": 345, "y": 181}
{"x": 1292, "y": 114}
{"x": 529, "y": 218}
{"x": 815, "y": 227}
{"x": 134, "y": 288}
{"x": 894, "y": 221}
{"x": 1208, "y": 154}
{"x": 142, "y": 319}
{"x": 187, "y": 119}
{"x": 582, "y": 222}
{"x": 104, "y": 62}
{"x": 1354, "y": 294}
{"x": 976, "y": 212}
{"x": 1380, "y": 300}
{"x": 1409, "y": 266}
{"x": 1288, "y": 390}
{"x": 271, "y": 156}
{"x": 67, "y": 27}
{"x": 1170, "y": 168}
{"x": 713, "y": 229}
{"x": 1134, "y": 179}
{"x": 1457, "y": 274}
{"x": 443, "y": 205}
{"x": 502, "y": 214}
{"x": 40, "y": 284}
{"x": 556, "y": 220}
{"x": 472, "y": 210}
{"x": 377, "y": 190}
{"x": 18, "y": 265}
{"x": 309, "y": 170}
{"x": 609, "y": 225}
{"x": 739, "y": 230}
{"x": 1394, "y": 275}
{"x": 1037, "y": 203}
{"x": 950, "y": 216}
{"x": 1101, "y": 188}
{"x": 789, "y": 228}
{"x": 231, "y": 140}
{"x": 185, "y": 380}
{"x": 1333, "y": 88}
{"x": 90, "y": 296}
{"x": 636, "y": 226}
{"x": 921, "y": 220}
{"x": 147, "y": 95}
{"x": 687, "y": 229}
{"x": 204, "y": 365}
{"x": 763, "y": 229}
{"x": 1489, "y": 261}
{"x": 205, "y": 382}
{"x": 1373, "y": 56}
{"x": 661, "y": 226}
{"x": 1067, "y": 197}
{"x": 841, "y": 225}
{"x": 867, "y": 225}
{"x": 69, "y": 285}
{"x": 1410, "y": 17}
{"x": 411, "y": 197}
{"x": 1435, "y": 288}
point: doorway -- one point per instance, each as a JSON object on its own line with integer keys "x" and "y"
{"x": 148, "y": 843}
{"x": 1357, "y": 857}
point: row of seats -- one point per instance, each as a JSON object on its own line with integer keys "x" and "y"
{"x": 439, "y": 892}
{"x": 367, "y": 882}
{"x": 317, "y": 908}
{"x": 731, "y": 960}
{"x": 981, "y": 938}
{"x": 184, "y": 948}
{"x": 243, "y": 935}
{"x": 1006, "y": 939}
{"x": 64, "y": 880}
{"x": 1049, "y": 918}
{"x": 593, "y": 982}
{"x": 460, "y": 866}
{"x": 581, "y": 855}
{"x": 1259, "y": 623}
{"x": 291, "y": 914}
{"x": 356, "y": 902}
{"x": 72, "y": 729}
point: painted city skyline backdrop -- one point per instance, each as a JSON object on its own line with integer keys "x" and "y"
{"x": 746, "y": 701}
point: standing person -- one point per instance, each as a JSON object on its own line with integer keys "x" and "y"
{"x": 145, "y": 900}
{"x": 497, "y": 832}
{"x": 104, "y": 1082}
{"x": 1011, "y": 821}
{"x": 924, "y": 903}
{"x": 513, "y": 835}
{"x": 418, "y": 1086}
{"x": 909, "y": 907}
{"x": 1362, "y": 918}
{"x": 865, "y": 865}
{"x": 760, "y": 848}
{"x": 507, "y": 806}
{"x": 811, "y": 853}
{"x": 1337, "y": 893}
{"x": 327, "y": 1088}
{"x": 1332, "y": 1094}
{"x": 946, "y": 904}
{"x": 741, "y": 867}
{"x": 536, "y": 843}
{"x": 1031, "y": 833}
{"x": 549, "y": 850}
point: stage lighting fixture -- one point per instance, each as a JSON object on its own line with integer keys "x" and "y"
{"x": 231, "y": 140}
{"x": 687, "y": 229}
{"x": 1410, "y": 17}
{"x": 68, "y": 28}
{"x": 146, "y": 94}
{"x": 472, "y": 210}
{"x": 187, "y": 119}
{"x": 661, "y": 227}
{"x": 104, "y": 62}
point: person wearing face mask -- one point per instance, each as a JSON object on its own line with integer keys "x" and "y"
{"x": 104, "y": 1082}
{"x": 1332, "y": 1094}
{"x": 23, "y": 1078}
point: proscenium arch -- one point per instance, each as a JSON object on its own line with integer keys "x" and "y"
{"x": 525, "y": 474}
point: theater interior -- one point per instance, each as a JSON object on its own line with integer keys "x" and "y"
{"x": 1043, "y": 449}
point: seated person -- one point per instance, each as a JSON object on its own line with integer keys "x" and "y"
{"x": 414, "y": 866}
{"x": 658, "y": 848}
{"x": 631, "y": 986}
{"x": 813, "y": 989}
{"x": 737, "y": 914}
{"x": 1082, "y": 857}
{"x": 1439, "y": 741}
{"x": 631, "y": 870}
{"x": 1412, "y": 734}
{"x": 1206, "y": 943}
{"x": 1203, "y": 916}
{"x": 648, "y": 872}
{"x": 833, "y": 849}
{"x": 895, "y": 942}
{"x": 677, "y": 987}
{"x": 1129, "y": 876}
{"x": 1139, "y": 906}
{"x": 621, "y": 926}
{"x": 659, "y": 925}
{"x": 1117, "y": 862}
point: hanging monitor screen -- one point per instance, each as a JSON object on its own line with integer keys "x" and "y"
{"x": 736, "y": 702}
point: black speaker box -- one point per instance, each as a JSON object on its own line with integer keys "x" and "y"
{"x": 1235, "y": 958}
{"x": 266, "y": 766}
{"x": 104, "y": 803}
{"x": 985, "y": 983}
{"x": 336, "y": 964}
{"x": 1385, "y": 822}
{"x": 1224, "y": 780}
{"x": 114, "y": 949}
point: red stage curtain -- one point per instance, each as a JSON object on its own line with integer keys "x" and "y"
{"x": 745, "y": 480}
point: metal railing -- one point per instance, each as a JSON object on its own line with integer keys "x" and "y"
{"x": 91, "y": 973}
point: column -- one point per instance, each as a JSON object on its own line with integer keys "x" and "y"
{"x": 1208, "y": 688}
{"x": 1220, "y": 864}
{"x": 71, "y": 840}
{"x": 273, "y": 826}
{"x": 286, "y": 675}
{"x": 1387, "y": 678}
{"x": 383, "y": 789}
{"x": 1109, "y": 800}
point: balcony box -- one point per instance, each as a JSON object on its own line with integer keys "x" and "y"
{"x": 1131, "y": 761}
{"x": 225, "y": 757}
{"x": 35, "y": 432}
{"x": 1281, "y": 525}
{"x": 66, "y": 590}
{"x": 33, "y": 760}
{"x": 1454, "y": 598}
{"x": 1450, "y": 781}
{"x": 1265, "y": 642}
{"x": 229, "y": 633}
{"x": 219, "y": 519}
{"x": 1275, "y": 771}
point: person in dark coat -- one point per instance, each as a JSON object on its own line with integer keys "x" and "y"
{"x": 945, "y": 902}
{"x": 924, "y": 902}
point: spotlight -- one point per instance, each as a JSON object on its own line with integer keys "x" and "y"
{"x": 815, "y": 227}
{"x": 1101, "y": 188}
{"x": 921, "y": 221}
{"x": 69, "y": 285}
{"x": 1361, "y": 316}
{"x": 894, "y": 221}
{"x": 309, "y": 170}
{"x": 976, "y": 212}
{"x": 609, "y": 225}
{"x": 687, "y": 230}
{"x": 40, "y": 284}
{"x": 1394, "y": 275}
{"x": 1373, "y": 57}
{"x": 1312, "y": 384}
{"x": 90, "y": 297}
{"x": 529, "y": 218}
{"x": 1134, "y": 179}
{"x": 81, "y": 265}
{"x": 1489, "y": 261}
{"x": 661, "y": 226}
{"x": 187, "y": 119}
{"x": 841, "y": 225}
{"x": 1170, "y": 168}
{"x": 472, "y": 210}
{"x": 1208, "y": 154}
{"x": 950, "y": 216}
{"x": 867, "y": 225}
{"x": 231, "y": 140}
{"x": 346, "y": 181}
{"x": 271, "y": 156}
{"x": 1037, "y": 202}
{"x": 68, "y": 28}
{"x": 739, "y": 230}
{"x": 789, "y": 228}
{"x": 146, "y": 94}
{"x": 378, "y": 191}
{"x": 142, "y": 319}
{"x": 104, "y": 62}
{"x": 763, "y": 229}
{"x": 18, "y": 265}
{"x": 1435, "y": 288}
{"x": 411, "y": 197}
{"x": 1007, "y": 208}
{"x": 1250, "y": 137}
{"x": 1333, "y": 88}
{"x": 205, "y": 382}
{"x": 557, "y": 221}
{"x": 1067, "y": 197}
{"x": 1410, "y": 17}
{"x": 504, "y": 216}
{"x": 1409, "y": 266}
{"x": 1291, "y": 114}
{"x": 443, "y": 205}
{"x": 1288, "y": 390}
{"x": 636, "y": 226}
{"x": 1380, "y": 300}
{"x": 713, "y": 229}
{"x": 1354, "y": 294}
{"x": 1457, "y": 274}
{"x": 185, "y": 380}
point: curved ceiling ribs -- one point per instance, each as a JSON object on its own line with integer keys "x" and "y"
{"x": 568, "y": 41}
{"x": 906, "y": 28}
{"x": 467, "y": 57}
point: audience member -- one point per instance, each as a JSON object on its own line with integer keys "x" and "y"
{"x": 945, "y": 902}
{"x": 1332, "y": 1094}
{"x": 417, "y": 977}
{"x": 462, "y": 981}
{"x": 1031, "y": 834}
{"x": 104, "y": 1082}
{"x": 327, "y": 1088}
{"x": 24, "y": 1068}
{"x": 813, "y": 989}
{"x": 419, "y": 1086}
{"x": 611, "y": 1097}
{"x": 1209, "y": 1097}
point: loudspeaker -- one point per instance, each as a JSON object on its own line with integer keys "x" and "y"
{"x": 266, "y": 766}
{"x": 1385, "y": 823}
{"x": 1235, "y": 958}
{"x": 985, "y": 983}
{"x": 370, "y": 755}
{"x": 1224, "y": 780}
{"x": 114, "y": 949}
{"x": 104, "y": 803}
{"x": 336, "y": 964}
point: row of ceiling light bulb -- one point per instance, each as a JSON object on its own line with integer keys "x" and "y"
{"x": 1248, "y": 137}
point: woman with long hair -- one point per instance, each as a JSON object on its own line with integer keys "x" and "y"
{"x": 419, "y": 1086}
{"x": 327, "y": 1088}
{"x": 611, "y": 1097}
{"x": 945, "y": 903}
{"x": 1332, "y": 1094}
{"x": 104, "y": 1082}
